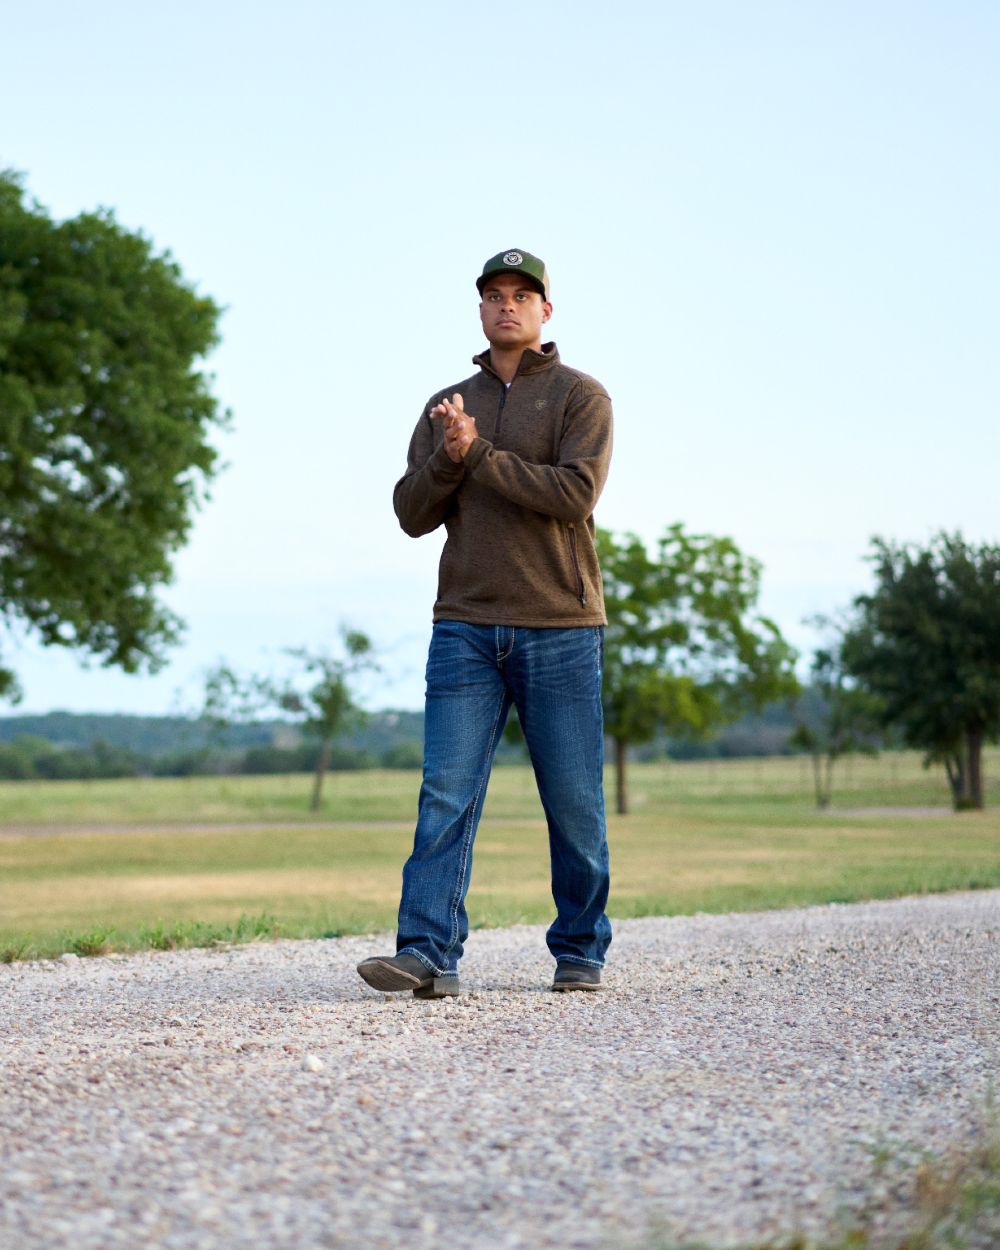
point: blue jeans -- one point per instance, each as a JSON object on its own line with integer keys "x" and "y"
{"x": 553, "y": 678}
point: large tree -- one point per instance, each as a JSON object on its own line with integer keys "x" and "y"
{"x": 685, "y": 650}
{"x": 105, "y": 420}
{"x": 927, "y": 642}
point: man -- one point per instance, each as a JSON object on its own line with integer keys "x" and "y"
{"x": 512, "y": 462}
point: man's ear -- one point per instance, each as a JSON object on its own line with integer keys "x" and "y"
{"x": 546, "y": 311}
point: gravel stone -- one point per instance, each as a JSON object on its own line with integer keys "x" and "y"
{"x": 741, "y": 1077}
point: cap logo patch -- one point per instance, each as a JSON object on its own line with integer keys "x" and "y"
{"x": 513, "y": 258}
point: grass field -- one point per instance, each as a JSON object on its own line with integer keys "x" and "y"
{"x": 79, "y": 872}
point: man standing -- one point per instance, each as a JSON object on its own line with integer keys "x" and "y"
{"x": 512, "y": 462}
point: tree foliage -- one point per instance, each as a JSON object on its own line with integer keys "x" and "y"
{"x": 104, "y": 426}
{"x": 927, "y": 642}
{"x": 685, "y": 650}
{"x": 316, "y": 696}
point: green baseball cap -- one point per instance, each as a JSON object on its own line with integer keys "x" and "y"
{"x": 514, "y": 260}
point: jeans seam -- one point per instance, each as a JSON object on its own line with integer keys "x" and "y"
{"x": 469, "y": 830}
{"x": 503, "y": 655}
{"x": 579, "y": 959}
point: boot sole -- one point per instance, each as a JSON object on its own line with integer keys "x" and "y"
{"x": 564, "y": 987}
{"x": 383, "y": 976}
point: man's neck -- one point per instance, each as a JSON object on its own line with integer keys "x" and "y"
{"x": 505, "y": 363}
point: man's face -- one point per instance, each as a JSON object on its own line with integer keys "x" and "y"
{"x": 513, "y": 312}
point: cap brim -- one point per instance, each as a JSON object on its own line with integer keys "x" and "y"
{"x": 484, "y": 278}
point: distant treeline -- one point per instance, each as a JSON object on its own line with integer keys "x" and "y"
{"x": 763, "y": 733}
{"x": 67, "y": 745}
{"x": 64, "y": 745}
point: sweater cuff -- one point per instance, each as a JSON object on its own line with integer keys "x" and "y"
{"x": 478, "y": 448}
{"x": 443, "y": 468}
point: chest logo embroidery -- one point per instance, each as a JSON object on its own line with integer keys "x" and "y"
{"x": 513, "y": 258}
{"x": 540, "y": 404}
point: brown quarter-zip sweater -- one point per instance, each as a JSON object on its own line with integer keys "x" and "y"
{"x": 519, "y": 508}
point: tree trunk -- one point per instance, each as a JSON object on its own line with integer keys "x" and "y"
{"x": 828, "y": 781}
{"x": 955, "y": 767}
{"x": 322, "y": 764}
{"x": 621, "y": 790}
{"x": 974, "y": 747}
{"x": 818, "y": 778}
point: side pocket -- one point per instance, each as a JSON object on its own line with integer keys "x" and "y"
{"x": 581, "y": 592}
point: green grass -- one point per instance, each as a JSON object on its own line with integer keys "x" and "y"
{"x": 378, "y": 795}
{"x": 349, "y": 796}
{"x": 716, "y": 836}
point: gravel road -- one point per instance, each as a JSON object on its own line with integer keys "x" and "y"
{"x": 739, "y": 1079}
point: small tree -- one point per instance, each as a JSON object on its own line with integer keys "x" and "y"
{"x": 684, "y": 650}
{"x": 927, "y": 642}
{"x": 847, "y": 721}
{"x": 105, "y": 425}
{"x": 317, "y": 696}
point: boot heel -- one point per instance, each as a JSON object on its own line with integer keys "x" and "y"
{"x": 438, "y": 987}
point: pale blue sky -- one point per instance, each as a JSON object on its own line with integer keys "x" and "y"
{"x": 771, "y": 230}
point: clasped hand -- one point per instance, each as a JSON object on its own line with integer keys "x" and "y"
{"x": 459, "y": 428}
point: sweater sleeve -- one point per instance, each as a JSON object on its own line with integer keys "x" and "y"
{"x": 422, "y": 495}
{"x": 567, "y": 490}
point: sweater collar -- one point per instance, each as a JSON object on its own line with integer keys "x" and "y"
{"x": 531, "y": 361}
